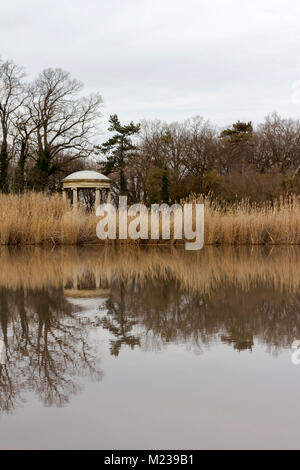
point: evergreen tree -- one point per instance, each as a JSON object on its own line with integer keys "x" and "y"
{"x": 118, "y": 148}
{"x": 241, "y": 132}
{"x": 239, "y": 142}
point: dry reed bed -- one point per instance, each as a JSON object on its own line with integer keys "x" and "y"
{"x": 200, "y": 272}
{"x": 34, "y": 219}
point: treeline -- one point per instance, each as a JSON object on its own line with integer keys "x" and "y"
{"x": 171, "y": 161}
{"x": 48, "y": 129}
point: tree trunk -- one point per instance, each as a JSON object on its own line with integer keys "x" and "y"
{"x": 3, "y": 167}
{"x": 20, "y": 173}
{"x": 41, "y": 172}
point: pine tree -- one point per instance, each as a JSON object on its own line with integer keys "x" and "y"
{"x": 118, "y": 148}
{"x": 239, "y": 141}
{"x": 241, "y": 132}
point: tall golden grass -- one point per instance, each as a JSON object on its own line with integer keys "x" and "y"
{"x": 35, "y": 218}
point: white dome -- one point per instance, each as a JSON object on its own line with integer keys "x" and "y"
{"x": 86, "y": 175}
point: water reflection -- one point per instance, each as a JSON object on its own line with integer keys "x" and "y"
{"x": 45, "y": 347}
{"x": 52, "y": 301}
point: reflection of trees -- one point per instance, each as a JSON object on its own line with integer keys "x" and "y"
{"x": 119, "y": 323}
{"x": 152, "y": 298}
{"x": 164, "y": 313}
{"x": 46, "y": 347}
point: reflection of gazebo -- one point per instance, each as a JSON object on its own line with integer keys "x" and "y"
{"x": 88, "y": 299}
{"x": 86, "y": 180}
{"x": 89, "y": 294}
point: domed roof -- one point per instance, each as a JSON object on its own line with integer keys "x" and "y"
{"x": 88, "y": 303}
{"x": 86, "y": 175}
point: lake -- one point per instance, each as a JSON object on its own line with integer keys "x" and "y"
{"x": 149, "y": 348}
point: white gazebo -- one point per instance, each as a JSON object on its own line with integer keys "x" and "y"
{"x": 86, "y": 180}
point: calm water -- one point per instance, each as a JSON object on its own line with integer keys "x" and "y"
{"x": 149, "y": 348}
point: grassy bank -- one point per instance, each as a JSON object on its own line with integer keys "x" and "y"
{"x": 34, "y": 218}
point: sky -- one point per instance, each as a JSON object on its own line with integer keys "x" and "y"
{"x": 165, "y": 59}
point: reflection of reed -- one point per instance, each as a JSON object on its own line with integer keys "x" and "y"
{"x": 205, "y": 271}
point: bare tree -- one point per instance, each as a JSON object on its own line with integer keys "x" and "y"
{"x": 11, "y": 97}
{"x": 181, "y": 152}
{"x": 278, "y": 144}
{"x": 65, "y": 122}
{"x": 201, "y": 148}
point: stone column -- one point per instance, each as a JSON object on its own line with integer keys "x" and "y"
{"x": 64, "y": 195}
{"x": 108, "y": 197}
{"x": 97, "y": 199}
{"x": 75, "y": 282}
{"x": 97, "y": 280}
{"x": 75, "y": 198}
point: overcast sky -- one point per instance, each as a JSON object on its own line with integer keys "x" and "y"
{"x": 166, "y": 59}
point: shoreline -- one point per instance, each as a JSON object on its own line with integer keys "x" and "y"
{"x": 38, "y": 219}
